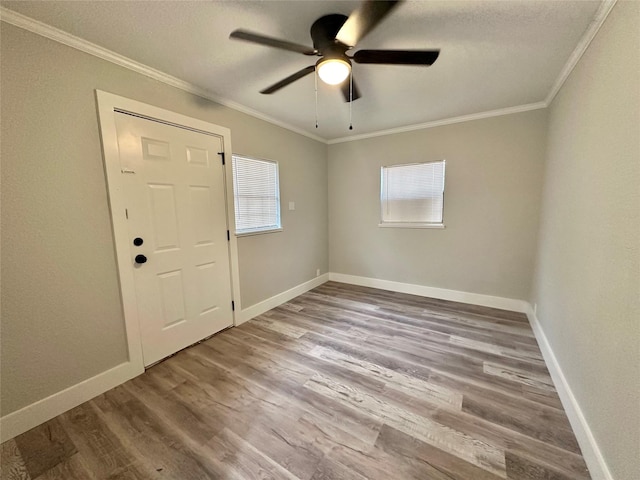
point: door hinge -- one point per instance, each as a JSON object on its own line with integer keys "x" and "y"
{"x": 233, "y": 306}
{"x": 228, "y": 236}
{"x": 222, "y": 155}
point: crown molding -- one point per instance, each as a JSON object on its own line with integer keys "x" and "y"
{"x": 39, "y": 28}
{"x": 445, "y": 121}
{"x": 591, "y": 31}
{"x": 44, "y": 30}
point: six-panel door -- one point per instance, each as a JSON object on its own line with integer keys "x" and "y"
{"x": 174, "y": 186}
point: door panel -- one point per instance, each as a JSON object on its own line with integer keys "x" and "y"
{"x": 164, "y": 223}
{"x": 176, "y": 204}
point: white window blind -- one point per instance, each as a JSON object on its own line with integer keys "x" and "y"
{"x": 413, "y": 195}
{"x": 256, "y": 195}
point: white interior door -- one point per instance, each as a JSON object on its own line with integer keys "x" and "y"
{"x": 173, "y": 180}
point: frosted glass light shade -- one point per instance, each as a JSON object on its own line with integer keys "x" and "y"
{"x": 333, "y": 70}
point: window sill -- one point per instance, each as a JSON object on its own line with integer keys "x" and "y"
{"x": 411, "y": 225}
{"x": 258, "y": 232}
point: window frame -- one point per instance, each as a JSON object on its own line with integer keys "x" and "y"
{"x": 258, "y": 230}
{"x": 387, "y": 224}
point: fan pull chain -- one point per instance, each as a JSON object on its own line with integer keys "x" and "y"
{"x": 350, "y": 99}
{"x": 316, "y": 81}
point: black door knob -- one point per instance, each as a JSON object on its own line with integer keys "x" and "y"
{"x": 141, "y": 259}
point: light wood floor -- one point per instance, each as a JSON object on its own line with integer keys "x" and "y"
{"x": 342, "y": 382}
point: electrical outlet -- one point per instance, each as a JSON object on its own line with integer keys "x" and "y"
{"x": 292, "y": 205}
{"x": 317, "y": 272}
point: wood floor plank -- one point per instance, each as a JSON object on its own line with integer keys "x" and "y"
{"x": 157, "y": 446}
{"x": 278, "y": 390}
{"x": 304, "y": 320}
{"x": 400, "y": 381}
{"x": 506, "y": 439}
{"x": 342, "y": 382}
{"x": 327, "y": 434}
{"x": 12, "y": 466}
{"x": 472, "y": 450}
{"x": 290, "y": 306}
{"x": 288, "y": 330}
{"x": 456, "y": 350}
{"x": 262, "y": 387}
{"x": 279, "y": 436}
{"x": 103, "y": 452}
{"x": 544, "y": 424}
{"x": 490, "y": 395}
{"x": 73, "y": 468}
{"x": 263, "y": 421}
{"x": 529, "y": 355}
{"x": 330, "y": 470}
{"x": 376, "y": 463}
{"x": 376, "y": 297}
{"x": 400, "y": 357}
{"x": 244, "y": 461}
{"x": 172, "y": 409}
{"x": 223, "y": 389}
{"x": 497, "y": 397}
{"x": 452, "y": 325}
{"x": 456, "y": 319}
{"x": 300, "y": 353}
{"x": 532, "y": 379}
{"x": 44, "y": 447}
{"x": 545, "y": 396}
{"x": 523, "y": 468}
{"x": 324, "y": 308}
{"x": 451, "y": 466}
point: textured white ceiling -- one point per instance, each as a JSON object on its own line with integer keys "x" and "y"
{"x": 494, "y": 54}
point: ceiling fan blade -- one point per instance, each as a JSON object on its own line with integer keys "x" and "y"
{"x": 290, "y": 79}
{"x": 271, "y": 42}
{"x": 345, "y": 87}
{"x": 363, "y": 20}
{"x": 397, "y": 57}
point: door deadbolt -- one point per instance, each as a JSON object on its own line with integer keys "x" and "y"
{"x": 138, "y": 241}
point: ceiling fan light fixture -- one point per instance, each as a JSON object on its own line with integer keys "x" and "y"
{"x": 333, "y": 70}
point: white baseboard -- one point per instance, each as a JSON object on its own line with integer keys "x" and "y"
{"x": 590, "y": 449}
{"x": 433, "y": 292}
{"x": 31, "y": 416}
{"x": 266, "y": 305}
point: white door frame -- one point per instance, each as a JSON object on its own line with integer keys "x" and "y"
{"x": 108, "y": 105}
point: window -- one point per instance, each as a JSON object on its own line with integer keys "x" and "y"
{"x": 412, "y": 195}
{"x": 256, "y": 195}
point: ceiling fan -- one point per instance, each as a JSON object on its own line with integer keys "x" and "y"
{"x": 333, "y": 36}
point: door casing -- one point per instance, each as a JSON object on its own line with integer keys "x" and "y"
{"x": 108, "y": 105}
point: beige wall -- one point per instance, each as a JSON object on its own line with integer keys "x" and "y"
{"x": 492, "y": 194}
{"x": 587, "y": 281}
{"x": 62, "y": 318}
